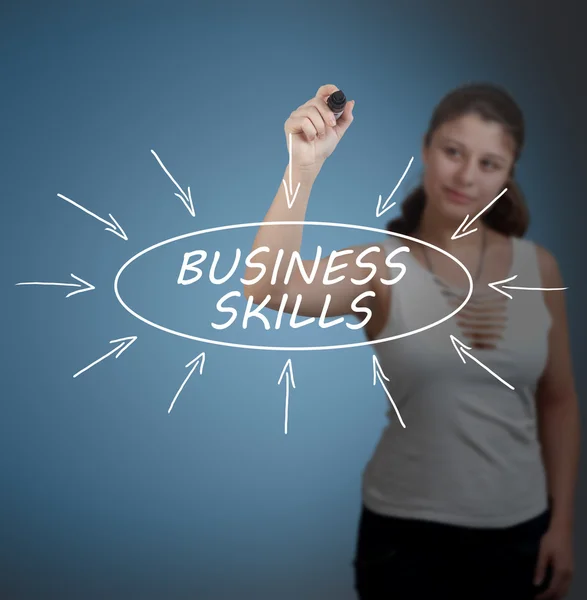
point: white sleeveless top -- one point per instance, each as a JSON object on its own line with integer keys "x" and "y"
{"x": 469, "y": 452}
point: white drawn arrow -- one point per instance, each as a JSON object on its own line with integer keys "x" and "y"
{"x": 126, "y": 343}
{"x": 460, "y": 352}
{"x": 114, "y": 227}
{"x": 378, "y": 374}
{"x": 513, "y": 287}
{"x": 89, "y": 287}
{"x": 288, "y": 371}
{"x": 288, "y": 194}
{"x": 382, "y": 209}
{"x": 195, "y": 363}
{"x": 185, "y": 198}
{"x": 456, "y": 235}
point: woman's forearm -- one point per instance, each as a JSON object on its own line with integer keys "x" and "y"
{"x": 559, "y": 432}
{"x": 285, "y": 237}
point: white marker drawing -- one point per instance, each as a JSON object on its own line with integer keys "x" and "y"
{"x": 460, "y": 352}
{"x": 378, "y": 374}
{"x": 185, "y": 198}
{"x": 288, "y": 371}
{"x": 195, "y": 362}
{"x": 382, "y": 209}
{"x": 237, "y": 293}
{"x": 513, "y": 287}
{"x": 456, "y": 235}
{"x": 126, "y": 343}
{"x": 288, "y": 194}
{"x": 89, "y": 287}
{"x": 114, "y": 227}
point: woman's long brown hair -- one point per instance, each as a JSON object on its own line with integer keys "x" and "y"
{"x": 509, "y": 215}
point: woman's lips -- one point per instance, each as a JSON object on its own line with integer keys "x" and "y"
{"x": 457, "y": 197}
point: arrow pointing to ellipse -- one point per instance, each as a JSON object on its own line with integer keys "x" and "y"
{"x": 288, "y": 372}
{"x": 378, "y": 374}
{"x": 513, "y": 287}
{"x": 185, "y": 198}
{"x": 126, "y": 343}
{"x": 89, "y": 287}
{"x": 289, "y": 193}
{"x": 462, "y": 226}
{"x": 114, "y": 227}
{"x": 199, "y": 360}
{"x": 460, "y": 352}
{"x": 382, "y": 209}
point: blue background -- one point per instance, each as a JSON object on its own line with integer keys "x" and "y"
{"x": 104, "y": 493}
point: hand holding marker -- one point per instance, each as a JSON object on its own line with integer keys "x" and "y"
{"x": 317, "y": 126}
{"x": 336, "y": 103}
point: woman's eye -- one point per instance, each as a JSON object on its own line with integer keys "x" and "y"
{"x": 451, "y": 151}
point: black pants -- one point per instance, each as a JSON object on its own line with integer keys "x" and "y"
{"x": 401, "y": 559}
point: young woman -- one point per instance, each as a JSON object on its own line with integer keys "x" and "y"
{"x": 469, "y": 494}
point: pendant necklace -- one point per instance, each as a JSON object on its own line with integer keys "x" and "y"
{"x": 485, "y": 322}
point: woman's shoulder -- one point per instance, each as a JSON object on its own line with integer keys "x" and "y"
{"x": 546, "y": 261}
{"x": 548, "y": 266}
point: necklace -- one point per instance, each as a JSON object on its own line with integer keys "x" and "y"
{"x": 446, "y": 287}
{"x": 482, "y": 324}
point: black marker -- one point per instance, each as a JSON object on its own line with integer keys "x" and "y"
{"x": 336, "y": 102}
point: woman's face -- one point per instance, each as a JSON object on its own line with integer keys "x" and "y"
{"x": 467, "y": 164}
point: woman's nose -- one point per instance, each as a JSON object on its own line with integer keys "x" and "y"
{"x": 466, "y": 174}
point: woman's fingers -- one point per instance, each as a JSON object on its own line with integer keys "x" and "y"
{"x": 324, "y": 110}
{"x": 302, "y": 124}
{"x": 311, "y": 120}
{"x": 326, "y": 90}
{"x": 311, "y": 123}
{"x": 309, "y": 128}
{"x": 315, "y": 116}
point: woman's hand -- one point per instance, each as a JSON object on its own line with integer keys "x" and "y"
{"x": 556, "y": 552}
{"x": 314, "y": 130}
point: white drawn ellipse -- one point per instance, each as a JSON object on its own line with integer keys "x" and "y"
{"x": 287, "y": 348}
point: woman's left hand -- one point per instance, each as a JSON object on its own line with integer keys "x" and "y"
{"x": 556, "y": 553}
